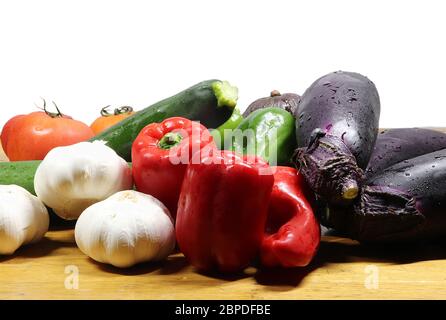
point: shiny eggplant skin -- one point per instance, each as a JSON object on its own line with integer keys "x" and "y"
{"x": 286, "y": 101}
{"x": 405, "y": 202}
{"x": 396, "y": 145}
{"x": 336, "y": 127}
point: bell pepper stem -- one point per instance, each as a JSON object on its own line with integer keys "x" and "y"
{"x": 170, "y": 140}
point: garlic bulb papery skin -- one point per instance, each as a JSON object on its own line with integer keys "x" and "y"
{"x": 23, "y": 218}
{"x": 72, "y": 178}
{"x": 127, "y": 228}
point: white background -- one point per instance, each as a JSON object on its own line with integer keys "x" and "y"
{"x": 87, "y": 54}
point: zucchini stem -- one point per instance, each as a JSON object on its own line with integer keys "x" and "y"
{"x": 226, "y": 94}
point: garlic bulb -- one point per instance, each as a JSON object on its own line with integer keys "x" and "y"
{"x": 125, "y": 229}
{"x": 72, "y": 178}
{"x": 23, "y": 218}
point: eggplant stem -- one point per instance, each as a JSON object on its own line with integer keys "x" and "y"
{"x": 275, "y": 93}
{"x": 350, "y": 190}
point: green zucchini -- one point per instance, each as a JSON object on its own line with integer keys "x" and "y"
{"x": 211, "y": 102}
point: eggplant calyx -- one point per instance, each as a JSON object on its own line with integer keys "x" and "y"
{"x": 384, "y": 214}
{"x": 330, "y": 169}
{"x": 314, "y": 138}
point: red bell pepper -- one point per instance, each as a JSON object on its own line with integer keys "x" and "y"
{"x": 222, "y": 211}
{"x": 292, "y": 233}
{"x": 161, "y": 153}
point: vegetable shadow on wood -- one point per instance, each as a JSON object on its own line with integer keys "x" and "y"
{"x": 283, "y": 279}
{"x": 346, "y": 251}
{"x": 173, "y": 264}
{"x": 39, "y": 249}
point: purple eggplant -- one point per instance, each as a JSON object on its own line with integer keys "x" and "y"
{"x": 405, "y": 202}
{"x": 336, "y": 126}
{"x": 286, "y": 101}
{"x": 395, "y": 145}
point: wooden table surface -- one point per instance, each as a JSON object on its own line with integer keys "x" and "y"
{"x": 55, "y": 269}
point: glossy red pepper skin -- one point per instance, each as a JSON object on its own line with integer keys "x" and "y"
{"x": 222, "y": 211}
{"x": 292, "y": 233}
{"x": 159, "y": 172}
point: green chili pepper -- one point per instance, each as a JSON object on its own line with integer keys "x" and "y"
{"x": 232, "y": 123}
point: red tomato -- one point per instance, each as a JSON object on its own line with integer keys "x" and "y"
{"x": 32, "y": 136}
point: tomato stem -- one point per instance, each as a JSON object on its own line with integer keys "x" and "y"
{"x": 57, "y": 114}
{"x": 117, "y": 111}
{"x": 104, "y": 111}
{"x": 123, "y": 109}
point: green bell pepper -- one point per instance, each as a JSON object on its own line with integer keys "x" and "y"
{"x": 268, "y": 133}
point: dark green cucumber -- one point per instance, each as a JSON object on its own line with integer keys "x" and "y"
{"x": 20, "y": 173}
{"x": 211, "y": 102}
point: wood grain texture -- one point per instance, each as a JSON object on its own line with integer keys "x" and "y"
{"x": 343, "y": 269}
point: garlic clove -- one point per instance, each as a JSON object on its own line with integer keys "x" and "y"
{"x": 23, "y": 218}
